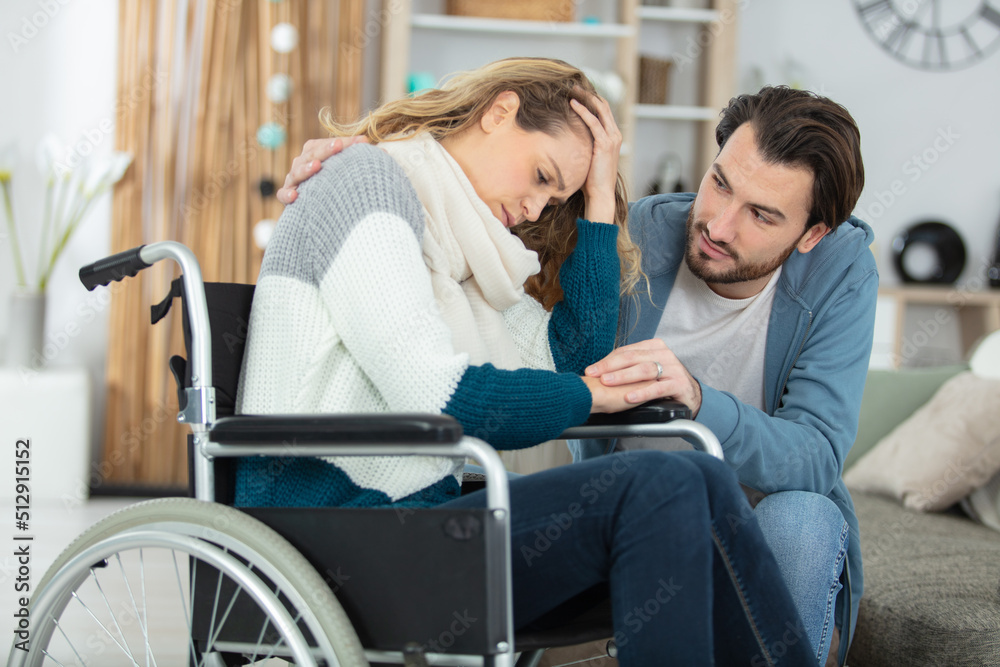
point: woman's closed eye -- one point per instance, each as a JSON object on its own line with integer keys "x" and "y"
{"x": 542, "y": 178}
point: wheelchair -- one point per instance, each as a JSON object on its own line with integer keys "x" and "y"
{"x": 194, "y": 581}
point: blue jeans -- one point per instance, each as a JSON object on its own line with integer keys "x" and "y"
{"x": 808, "y": 535}
{"x": 691, "y": 579}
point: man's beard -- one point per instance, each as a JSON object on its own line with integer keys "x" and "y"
{"x": 741, "y": 271}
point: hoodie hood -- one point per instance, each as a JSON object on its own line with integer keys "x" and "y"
{"x": 809, "y": 278}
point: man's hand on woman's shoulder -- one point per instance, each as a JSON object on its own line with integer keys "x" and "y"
{"x": 308, "y": 163}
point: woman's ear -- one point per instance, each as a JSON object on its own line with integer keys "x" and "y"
{"x": 502, "y": 111}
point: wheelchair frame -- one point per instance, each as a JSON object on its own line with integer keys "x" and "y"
{"x": 212, "y": 438}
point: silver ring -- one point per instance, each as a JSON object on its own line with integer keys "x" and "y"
{"x": 659, "y": 370}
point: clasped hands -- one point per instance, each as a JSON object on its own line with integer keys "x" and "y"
{"x": 638, "y": 373}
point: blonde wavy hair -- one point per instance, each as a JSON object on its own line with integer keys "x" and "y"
{"x": 545, "y": 88}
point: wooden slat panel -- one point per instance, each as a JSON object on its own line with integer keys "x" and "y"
{"x": 195, "y": 179}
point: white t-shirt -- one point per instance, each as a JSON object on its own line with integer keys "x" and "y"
{"x": 720, "y": 341}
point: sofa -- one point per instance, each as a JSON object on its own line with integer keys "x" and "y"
{"x": 932, "y": 578}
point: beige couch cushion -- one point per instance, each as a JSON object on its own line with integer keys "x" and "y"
{"x": 947, "y": 448}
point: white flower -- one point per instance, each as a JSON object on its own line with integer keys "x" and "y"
{"x": 50, "y": 156}
{"x": 70, "y": 190}
{"x": 103, "y": 172}
{"x": 8, "y": 156}
{"x": 119, "y": 164}
{"x": 89, "y": 176}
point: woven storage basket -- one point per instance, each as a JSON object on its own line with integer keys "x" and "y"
{"x": 530, "y": 10}
{"x": 654, "y": 80}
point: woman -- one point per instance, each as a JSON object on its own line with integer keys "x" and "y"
{"x": 395, "y": 284}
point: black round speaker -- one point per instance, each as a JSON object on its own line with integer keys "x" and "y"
{"x": 936, "y": 239}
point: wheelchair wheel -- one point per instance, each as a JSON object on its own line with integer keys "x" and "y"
{"x": 170, "y": 582}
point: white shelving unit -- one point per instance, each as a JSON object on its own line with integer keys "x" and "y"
{"x": 514, "y": 27}
{"x": 686, "y": 126}
{"x": 420, "y": 36}
{"x": 679, "y": 15}
{"x": 676, "y": 14}
{"x": 674, "y": 112}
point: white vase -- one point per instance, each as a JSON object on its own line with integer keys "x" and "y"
{"x": 25, "y": 330}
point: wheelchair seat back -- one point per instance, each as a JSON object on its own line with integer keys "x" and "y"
{"x": 229, "y": 319}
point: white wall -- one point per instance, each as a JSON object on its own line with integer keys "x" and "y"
{"x": 57, "y": 74}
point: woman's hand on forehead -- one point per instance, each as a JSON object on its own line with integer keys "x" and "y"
{"x": 599, "y": 188}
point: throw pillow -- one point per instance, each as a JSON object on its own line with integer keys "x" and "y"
{"x": 947, "y": 448}
{"x": 983, "y": 504}
{"x": 985, "y": 361}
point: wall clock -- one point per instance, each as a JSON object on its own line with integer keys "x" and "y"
{"x": 933, "y": 34}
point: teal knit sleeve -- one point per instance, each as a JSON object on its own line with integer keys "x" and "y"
{"x": 583, "y": 325}
{"x": 520, "y": 408}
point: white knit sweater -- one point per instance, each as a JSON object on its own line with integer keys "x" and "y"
{"x": 345, "y": 320}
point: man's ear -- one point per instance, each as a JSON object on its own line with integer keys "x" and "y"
{"x": 812, "y": 236}
{"x": 503, "y": 110}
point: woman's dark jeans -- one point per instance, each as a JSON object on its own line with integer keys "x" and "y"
{"x": 672, "y": 535}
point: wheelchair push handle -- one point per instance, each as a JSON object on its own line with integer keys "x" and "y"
{"x": 200, "y": 409}
{"x": 116, "y": 267}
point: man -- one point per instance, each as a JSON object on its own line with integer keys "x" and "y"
{"x": 760, "y": 318}
{"x": 763, "y": 297}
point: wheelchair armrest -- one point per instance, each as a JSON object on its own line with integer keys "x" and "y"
{"x": 654, "y": 412}
{"x": 660, "y": 418}
{"x": 324, "y": 429}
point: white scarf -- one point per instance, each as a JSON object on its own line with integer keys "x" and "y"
{"x": 478, "y": 268}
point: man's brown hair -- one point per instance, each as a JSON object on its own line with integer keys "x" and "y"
{"x": 797, "y": 128}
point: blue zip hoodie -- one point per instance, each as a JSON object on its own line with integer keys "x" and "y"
{"x": 819, "y": 342}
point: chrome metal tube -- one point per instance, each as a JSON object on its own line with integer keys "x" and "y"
{"x": 196, "y": 304}
{"x": 703, "y": 437}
